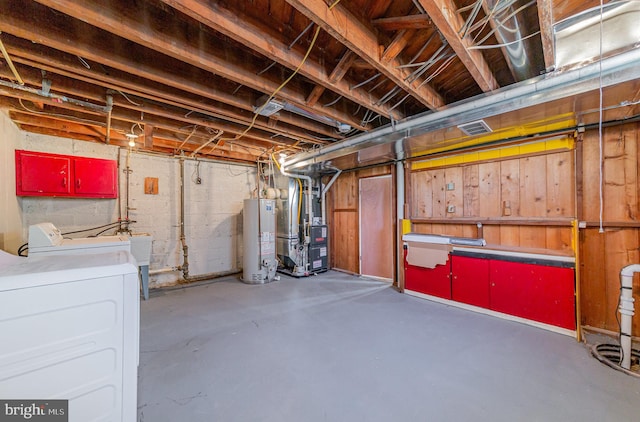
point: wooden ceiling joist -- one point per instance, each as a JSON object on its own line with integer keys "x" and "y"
{"x": 346, "y": 28}
{"x": 266, "y": 41}
{"x": 397, "y": 23}
{"x": 449, "y": 23}
{"x": 545, "y": 16}
{"x": 165, "y": 34}
{"x": 301, "y": 128}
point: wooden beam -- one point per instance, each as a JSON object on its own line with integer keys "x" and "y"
{"x": 62, "y": 125}
{"x": 421, "y": 21}
{"x": 124, "y": 21}
{"x": 148, "y": 136}
{"x": 343, "y": 66}
{"x": 449, "y": 22}
{"x": 315, "y": 95}
{"x": 266, "y": 41}
{"x": 346, "y": 28}
{"x": 75, "y": 84}
{"x": 42, "y": 25}
{"x": 545, "y": 16}
{"x": 396, "y": 46}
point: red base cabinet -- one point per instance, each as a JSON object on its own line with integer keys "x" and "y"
{"x": 535, "y": 288}
{"x": 430, "y": 281}
{"x": 42, "y": 174}
{"x": 537, "y": 292}
{"x": 470, "y": 280}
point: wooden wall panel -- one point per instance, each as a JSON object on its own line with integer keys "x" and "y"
{"x": 559, "y": 238}
{"x": 560, "y": 194}
{"x": 510, "y": 188}
{"x": 421, "y": 197}
{"x": 454, "y": 198}
{"x": 345, "y": 248}
{"x": 489, "y": 189}
{"x": 593, "y": 284}
{"x": 533, "y": 186}
{"x": 604, "y": 254}
{"x": 471, "y": 186}
{"x": 344, "y": 192}
{"x": 437, "y": 189}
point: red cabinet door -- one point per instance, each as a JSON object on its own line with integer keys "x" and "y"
{"x": 537, "y": 292}
{"x": 39, "y": 174}
{"x": 431, "y": 281}
{"x": 95, "y": 178}
{"x": 470, "y": 280}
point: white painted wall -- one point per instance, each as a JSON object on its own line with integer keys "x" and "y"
{"x": 213, "y": 223}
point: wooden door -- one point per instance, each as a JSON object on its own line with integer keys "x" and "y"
{"x": 376, "y": 227}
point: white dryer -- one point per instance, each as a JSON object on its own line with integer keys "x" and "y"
{"x": 70, "y": 331}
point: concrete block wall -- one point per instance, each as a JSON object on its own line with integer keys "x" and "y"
{"x": 213, "y": 221}
{"x": 68, "y": 214}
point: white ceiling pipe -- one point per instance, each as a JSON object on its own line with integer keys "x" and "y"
{"x": 626, "y": 312}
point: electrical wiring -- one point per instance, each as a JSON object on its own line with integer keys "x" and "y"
{"x": 600, "y": 139}
{"x": 488, "y": 47}
{"x": 295, "y": 72}
{"x": 84, "y": 62}
{"x": 129, "y": 99}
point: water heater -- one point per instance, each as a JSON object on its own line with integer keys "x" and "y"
{"x": 259, "y": 236}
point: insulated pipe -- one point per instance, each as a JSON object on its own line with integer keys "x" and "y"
{"x": 62, "y": 98}
{"x": 626, "y": 312}
{"x": 324, "y": 195}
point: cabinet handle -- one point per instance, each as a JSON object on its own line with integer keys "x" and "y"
{"x": 64, "y": 182}
{"x": 78, "y": 183}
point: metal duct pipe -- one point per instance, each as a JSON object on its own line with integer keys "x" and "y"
{"x": 610, "y": 71}
{"x": 324, "y": 195}
{"x": 626, "y": 312}
{"x": 309, "y": 193}
{"x": 510, "y": 28}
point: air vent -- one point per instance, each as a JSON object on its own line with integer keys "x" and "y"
{"x": 478, "y": 127}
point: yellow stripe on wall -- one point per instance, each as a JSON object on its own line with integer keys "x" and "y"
{"x": 565, "y": 143}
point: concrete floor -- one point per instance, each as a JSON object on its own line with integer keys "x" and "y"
{"x": 340, "y": 348}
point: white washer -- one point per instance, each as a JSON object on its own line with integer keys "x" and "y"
{"x": 45, "y": 238}
{"x": 70, "y": 331}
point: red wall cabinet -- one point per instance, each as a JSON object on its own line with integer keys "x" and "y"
{"x": 470, "y": 280}
{"x": 431, "y": 281}
{"x": 43, "y": 174}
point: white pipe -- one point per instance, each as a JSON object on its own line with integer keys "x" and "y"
{"x": 324, "y": 195}
{"x": 626, "y": 312}
{"x": 399, "y": 150}
{"x": 164, "y": 270}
